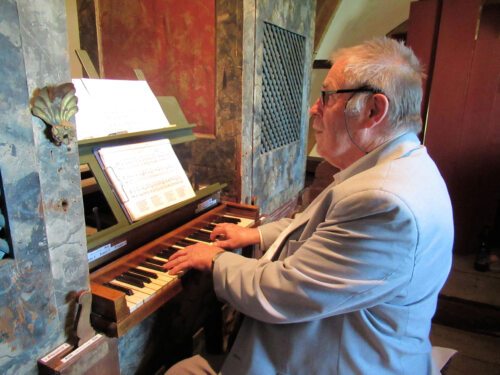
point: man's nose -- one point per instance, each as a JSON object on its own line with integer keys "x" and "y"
{"x": 315, "y": 109}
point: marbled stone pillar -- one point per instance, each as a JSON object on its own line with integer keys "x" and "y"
{"x": 41, "y": 188}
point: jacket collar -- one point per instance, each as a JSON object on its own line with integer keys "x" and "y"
{"x": 391, "y": 150}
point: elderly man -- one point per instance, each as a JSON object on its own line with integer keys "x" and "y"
{"x": 350, "y": 285}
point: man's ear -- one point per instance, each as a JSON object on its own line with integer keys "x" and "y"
{"x": 377, "y": 108}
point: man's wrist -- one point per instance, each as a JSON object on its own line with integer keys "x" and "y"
{"x": 214, "y": 258}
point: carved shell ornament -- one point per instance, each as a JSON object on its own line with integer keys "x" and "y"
{"x": 55, "y": 105}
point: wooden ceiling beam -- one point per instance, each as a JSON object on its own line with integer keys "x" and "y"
{"x": 325, "y": 11}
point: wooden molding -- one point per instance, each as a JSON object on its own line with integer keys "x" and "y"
{"x": 325, "y": 10}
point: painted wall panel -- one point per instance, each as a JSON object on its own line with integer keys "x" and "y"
{"x": 172, "y": 42}
{"x": 219, "y": 159}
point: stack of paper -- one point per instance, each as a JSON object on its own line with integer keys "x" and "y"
{"x": 107, "y": 107}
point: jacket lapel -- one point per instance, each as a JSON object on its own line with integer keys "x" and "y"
{"x": 301, "y": 220}
{"x": 396, "y": 148}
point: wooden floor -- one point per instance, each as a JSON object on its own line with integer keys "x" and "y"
{"x": 468, "y": 319}
{"x": 478, "y": 354}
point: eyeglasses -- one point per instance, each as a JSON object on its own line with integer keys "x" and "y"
{"x": 326, "y": 93}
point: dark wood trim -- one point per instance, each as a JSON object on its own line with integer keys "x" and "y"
{"x": 468, "y": 315}
{"x": 325, "y": 11}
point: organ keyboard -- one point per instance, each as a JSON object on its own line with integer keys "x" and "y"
{"x": 129, "y": 289}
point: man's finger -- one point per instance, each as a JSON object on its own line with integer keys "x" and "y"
{"x": 170, "y": 264}
{"x": 217, "y": 231}
{"x": 179, "y": 264}
{"x": 175, "y": 259}
{"x": 177, "y": 254}
{"x": 178, "y": 270}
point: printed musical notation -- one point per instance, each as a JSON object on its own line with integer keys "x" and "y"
{"x": 146, "y": 176}
{"x": 108, "y": 106}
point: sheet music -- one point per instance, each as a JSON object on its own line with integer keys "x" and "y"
{"x": 146, "y": 176}
{"x": 107, "y": 106}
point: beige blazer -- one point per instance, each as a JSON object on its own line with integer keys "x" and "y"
{"x": 354, "y": 284}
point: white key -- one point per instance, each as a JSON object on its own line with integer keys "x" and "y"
{"x": 145, "y": 290}
{"x": 195, "y": 240}
{"x": 135, "y": 298}
{"x": 133, "y": 302}
{"x": 153, "y": 286}
{"x": 158, "y": 258}
{"x": 161, "y": 275}
{"x": 246, "y": 222}
{"x": 160, "y": 283}
{"x": 132, "y": 306}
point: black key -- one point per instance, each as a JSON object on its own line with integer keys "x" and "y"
{"x": 184, "y": 243}
{"x": 127, "y": 291}
{"x": 165, "y": 254}
{"x": 130, "y": 280}
{"x": 170, "y": 251}
{"x": 151, "y": 275}
{"x": 153, "y": 267}
{"x": 142, "y": 278}
{"x": 200, "y": 236}
{"x": 225, "y": 219}
{"x": 209, "y": 227}
{"x": 156, "y": 261}
{"x": 234, "y": 220}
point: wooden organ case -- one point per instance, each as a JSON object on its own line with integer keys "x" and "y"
{"x": 126, "y": 278}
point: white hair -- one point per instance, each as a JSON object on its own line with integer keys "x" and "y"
{"x": 389, "y": 66}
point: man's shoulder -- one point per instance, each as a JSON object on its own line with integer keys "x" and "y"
{"x": 409, "y": 170}
{"x": 409, "y": 179}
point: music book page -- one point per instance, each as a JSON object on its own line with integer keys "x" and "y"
{"x": 146, "y": 176}
{"x": 109, "y": 106}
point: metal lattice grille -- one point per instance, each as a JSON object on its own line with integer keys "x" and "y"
{"x": 282, "y": 79}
